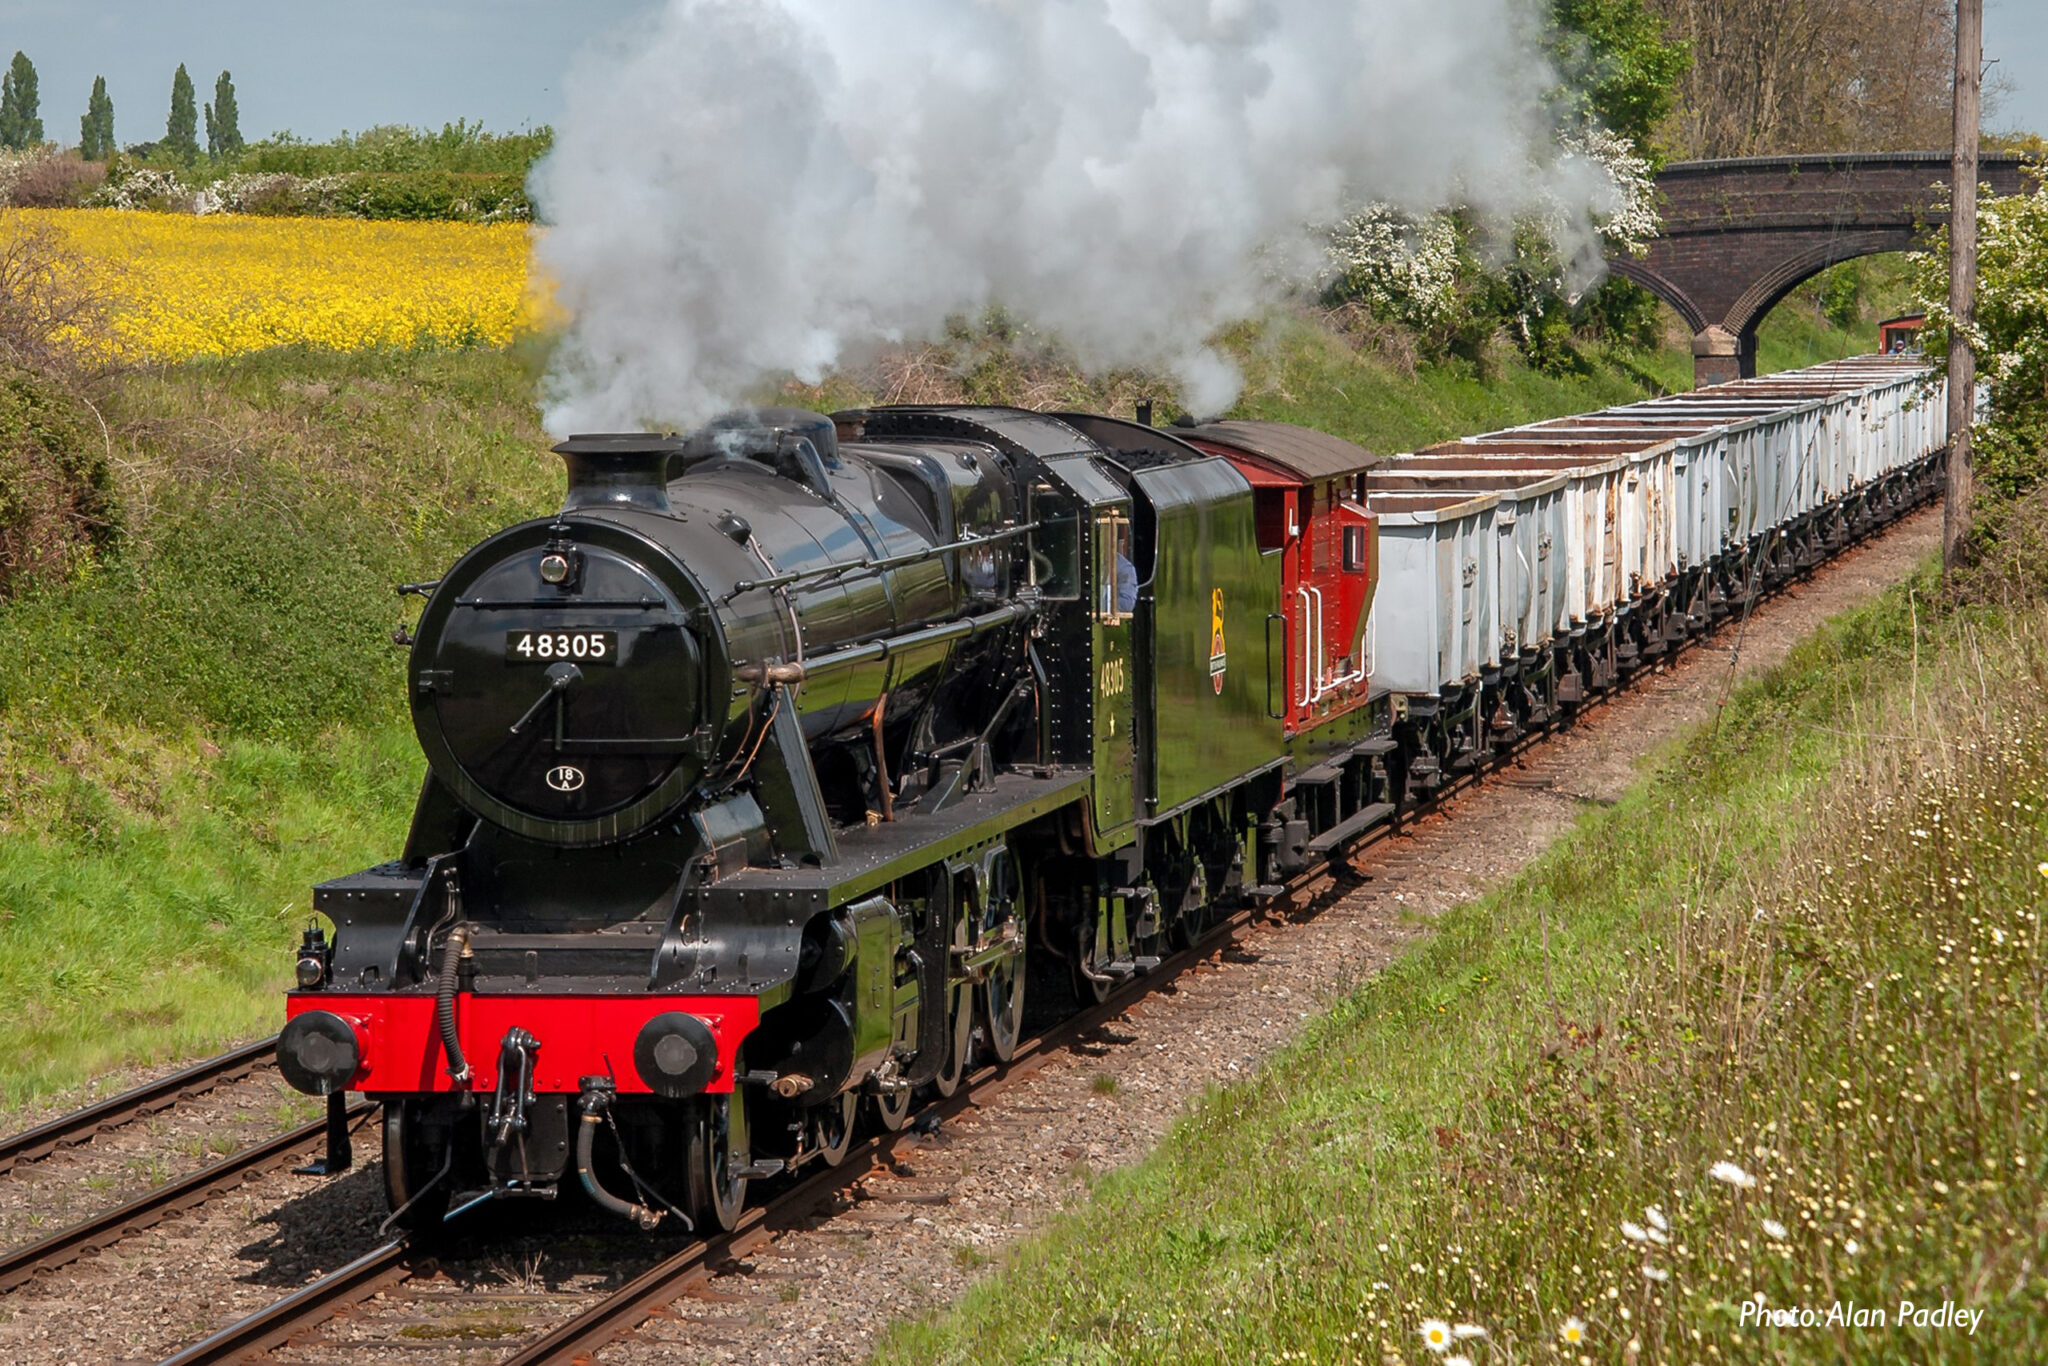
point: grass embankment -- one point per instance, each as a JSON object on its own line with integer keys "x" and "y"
{"x": 1807, "y": 945}
{"x": 197, "y": 729}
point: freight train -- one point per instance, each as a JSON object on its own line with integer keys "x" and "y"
{"x": 771, "y": 780}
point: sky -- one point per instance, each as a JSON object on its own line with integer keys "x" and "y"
{"x": 2016, "y": 41}
{"x": 317, "y": 67}
{"x": 312, "y": 66}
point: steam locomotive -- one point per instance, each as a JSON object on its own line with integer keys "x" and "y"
{"x": 766, "y": 775}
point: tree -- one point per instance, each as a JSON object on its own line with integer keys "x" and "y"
{"x": 1776, "y": 76}
{"x": 2009, "y": 334}
{"x": 1623, "y": 64}
{"x": 96, "y": 129}
{"x": 181, "y": 132}
{"x": 223, "y": 120}
{"x": 21, "y": 120}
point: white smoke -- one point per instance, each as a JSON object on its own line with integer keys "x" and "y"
{"x": 745, "y": 190}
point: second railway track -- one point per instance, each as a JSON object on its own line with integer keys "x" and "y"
{"x": 85, "y": 1124}
{"x": 19, "y": 1264}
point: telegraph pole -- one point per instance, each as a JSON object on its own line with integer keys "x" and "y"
{"x": 1962, "y": 280}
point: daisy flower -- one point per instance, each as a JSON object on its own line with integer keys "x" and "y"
{"x": 1775, "y": 1229}
{"x": 1573, "y": 1331}
{"x": 1732, "y": 1175}
{"x": 1436, "y": 1334}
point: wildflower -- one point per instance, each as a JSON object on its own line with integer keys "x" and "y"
{"x": 1656, "y": 1218}
{"x": 1656, "y": 1274}
{"x": 1852, "y": 1247}
{"x": 1775, "y": 1229}
{"x": 1458, "y": 1361}
{"x": 1465, "y": 1331}
{"x": 2042, "y": 868}
{"x": 1573, "y": 1332}
{"x": 1660, "y": 1238}
{"x": 1733, "y": 1175}
{"x": 1436, "y": 1334}
{"x": 1634, "y": 1232}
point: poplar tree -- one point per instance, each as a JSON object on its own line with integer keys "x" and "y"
{"x": 181, "y": 132}
{"x": 21, "y": 120}
{"x": 96, "y": 129}
{"x": 223, "y": 120}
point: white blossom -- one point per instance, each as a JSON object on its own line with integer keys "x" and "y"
{"x": 1403, "y": 269}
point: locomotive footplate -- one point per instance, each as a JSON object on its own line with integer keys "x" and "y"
{"x": 872, "y": 857}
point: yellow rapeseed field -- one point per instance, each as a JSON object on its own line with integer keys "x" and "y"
{"x": 181, "y": 286}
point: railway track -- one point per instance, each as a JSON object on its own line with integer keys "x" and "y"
{"x": 384, "y": 1267}
{"x": 575, "y": 1339}
{"x": 81, "y": 1126}
{"x": 21, "y": 1264}
{"x": 572, "y": 1342}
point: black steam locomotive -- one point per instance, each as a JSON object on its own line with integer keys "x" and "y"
{"x": 764, "y": 774}
{"x": 760, "y": 772}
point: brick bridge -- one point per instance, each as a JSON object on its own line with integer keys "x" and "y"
{"x": 1739, "y": 235}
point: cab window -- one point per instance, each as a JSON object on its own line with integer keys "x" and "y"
{"x": 1054, "y": 547}
{"x": 1116, "y": 573}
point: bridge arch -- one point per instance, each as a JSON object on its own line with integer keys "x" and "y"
{"x": 1768, "y": 290}
{"x": 1739, "y": 235}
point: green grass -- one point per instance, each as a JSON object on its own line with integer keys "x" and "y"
{"x": 1807, "y": 943}
{"x": 1303, "y": 373}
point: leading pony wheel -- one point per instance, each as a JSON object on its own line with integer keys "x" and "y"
{"x": 418, "y": 1173}
{"x": 715, "y": 1152}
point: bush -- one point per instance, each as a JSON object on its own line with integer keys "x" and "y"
{"x": 55, "y": 183}
{"x": 460, "y": 147}
{"x": 2009, "y": 335}
{"x": 57, "y": 504}
{"x": 57, "y": 507}
{"x": 428, "y": 195}
{"x": 128, "y": 186}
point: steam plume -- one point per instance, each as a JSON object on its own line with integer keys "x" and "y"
{"x": 745, "y": 189}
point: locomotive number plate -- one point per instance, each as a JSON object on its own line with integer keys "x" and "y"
{"x": 545, "y": 647}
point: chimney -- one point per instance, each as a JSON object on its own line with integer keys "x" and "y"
{"x": 618, "y": 469}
